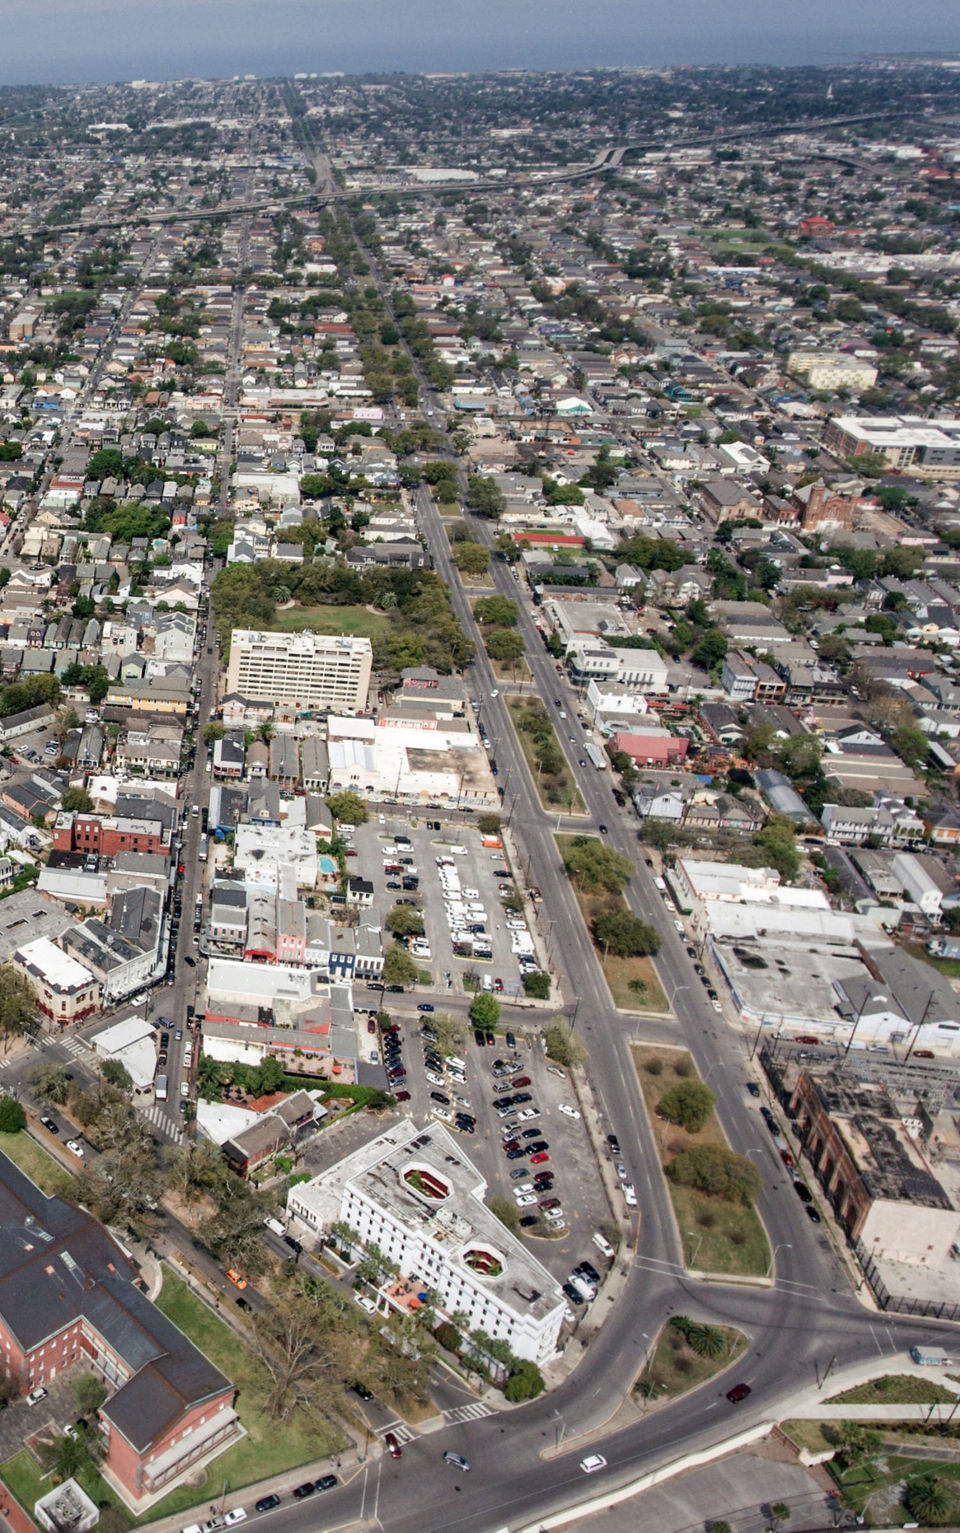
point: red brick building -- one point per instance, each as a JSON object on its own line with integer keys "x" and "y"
{"x": 106, "y": 835}
{"x": 69, "y": 1300}
{"x": 651, "y": 747}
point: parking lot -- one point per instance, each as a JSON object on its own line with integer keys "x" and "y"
{"x": 480, "y": 1103}
{"x": 468, "y": 888}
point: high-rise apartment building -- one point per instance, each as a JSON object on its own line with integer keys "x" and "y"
{"x": 303, "y": 670}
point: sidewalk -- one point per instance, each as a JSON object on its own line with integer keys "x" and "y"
{"x": 813, "y": 1401}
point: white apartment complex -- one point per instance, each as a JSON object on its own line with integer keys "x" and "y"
{"x": 832, "y": 369}
{"x": 413, "y": 1193}
{"x": 305, "y": 670}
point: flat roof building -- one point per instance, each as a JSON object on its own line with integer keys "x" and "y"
{"x": 414, "y": 1194}
{"x": 305, "y": 670}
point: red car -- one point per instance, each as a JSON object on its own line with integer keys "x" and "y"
{"x": 521, "y": 1080}
{"x": 390, "y": 1442}
{"x": 403, "y": 1096}
{"x": 538, "y": 1160}
{"x": 737, "y": 1393}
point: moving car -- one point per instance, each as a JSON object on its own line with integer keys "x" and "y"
{"x": 592, "y": 1463}
{"x": 390, "y": 1442}
{"x": 737, "y": 1393}
{"x": 456, "y": 1460}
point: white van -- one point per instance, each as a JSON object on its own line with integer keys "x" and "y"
{"x": 274, "y": 1225}
{"x": 453, "y": 1063}
{"x": 486, "y": 982}
{"x": 602, "y": 1245}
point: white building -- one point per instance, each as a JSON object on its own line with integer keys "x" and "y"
{"x": 414, "y": 760}
{"x": 832, "y": 370}
{"x": 262, "y": 853}
{"x": 303, "y": 670}
{"x": 413, "y": 1193}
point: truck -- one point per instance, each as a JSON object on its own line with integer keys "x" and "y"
{"x": 929, "y": 1358}
{"x": 596, "y": 756}
{"x": 198, "y": 912}
{"x": 160, "y": 1090}
{"x": 202, "y": 850}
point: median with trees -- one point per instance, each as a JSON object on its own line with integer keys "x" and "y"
{"x": 711, "y": 1187}
{"x": 625, "y": 944}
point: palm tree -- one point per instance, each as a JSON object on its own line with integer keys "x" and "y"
{"x": 926, "y": 1499}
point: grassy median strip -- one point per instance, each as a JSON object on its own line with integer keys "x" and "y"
{"x": 686, "y": 1354}
{"x": 719, "y": 1234}
{"x": 544, "y": 756}
{"x": 269, "y": 1446}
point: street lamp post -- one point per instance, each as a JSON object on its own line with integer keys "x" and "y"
{"x": 783, "y": 1246}
{"x": 692, "y": 1234}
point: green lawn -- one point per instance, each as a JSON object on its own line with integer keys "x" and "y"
{"x": 357, "y": 621}
{"x": 33, "y": 1159}
{"x": 270, "y": 1446}
{"x": 896, "y": 1389}
{"x": 675, "y": 1367}
{"x": 717, "y": 1235}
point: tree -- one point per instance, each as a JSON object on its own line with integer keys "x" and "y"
{"x": 562, "y": 1044}
{"x": 624, "y": 934}
{"x": 484, "y": 1011}
{"x": 471, "y": 558}
{"x": 525, "y": 1382}
{"x": 398, "y": 966}
{"x": 348, "y": 807}
{"x": 715, "y": 1169}
{"x": 404, "y": 921}
{"x": 89, "y": 1393}
{"x": 506, "y": 1212}
{"x": 488, "y": 824}
{"x": 537, "y": 985}
{"x": 117, "y": 1074}
{"x": 911, "y": 745}
{"x": 305, "y": 1347}
{"x": 595, "y": 867}
{"x": 78, "y": 800}
{"x": 778, "y": 842}
{"x": 18, "y": 1007}
{"x": 506, "y": 646}
{"x": 926, "y": 1499}
{"x": 213, "y": 732}
{"x": 51, "y": 1083}
{"x": 12, "y": 1116}
{"x": 496, "y": 611}
{"x": 484, "y": 498}
{"x": 687, "y": 1103}
{"x": 193, "y": 1169}
{"x": 449, "y": 1033}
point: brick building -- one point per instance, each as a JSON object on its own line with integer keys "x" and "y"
{"x": 68, "y": 1299}
{"x": 106, "y": 835}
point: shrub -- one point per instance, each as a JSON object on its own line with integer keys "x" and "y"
{"x": 715, "y": 1169}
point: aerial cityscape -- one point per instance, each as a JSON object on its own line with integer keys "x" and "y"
{"x": 480, "y": 799}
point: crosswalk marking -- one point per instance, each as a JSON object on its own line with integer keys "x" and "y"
{"x": 76, "y": 1047}
{"x": 155, "y": 1115}
{"x": 400, "y": 1430}
{"x": 458, "y": 1413}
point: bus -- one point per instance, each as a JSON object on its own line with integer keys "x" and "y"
{"x": 596, "y": 756}
{"x": 198, "y": 913}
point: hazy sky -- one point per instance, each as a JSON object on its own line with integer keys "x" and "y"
{"x": 74, "y": 40}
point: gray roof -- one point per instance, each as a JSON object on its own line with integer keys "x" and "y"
{"x": 59, "y": 1266}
